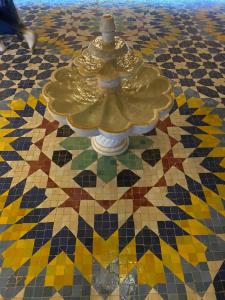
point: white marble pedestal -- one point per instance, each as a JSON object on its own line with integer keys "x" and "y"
{"x": 109, "y": 146}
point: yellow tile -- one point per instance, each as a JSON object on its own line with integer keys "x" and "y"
{"x": 217, "y": 152}
{"x": 9, "y": 114}
{"x": 83, "y": 261}
{"x": 193, "y": 227}
{"x": 207, "y": 140}
{"x": 127, "y": 259}
{"x": 211, "y": 129}
{"x": 16, "y": 231}
{"x": 221, "y": 190}
{"x": 5, "y": 143}
{"x": 181, "y": 99}
{"x": 32, "y": 101}
{"x": 194, "y": 102}
{"x": 222, "y": 163}
{"x": 203, "y": 111}
{"x": 191, "y": 249}
{"x": 105, "y": 251}
{"x": 4, "y": 132}
{"x": 66, "y": 267}
{"x": 42, "y": 100}
{"x": 171, "y": 260}
{"x": 213, "y": 200}
{"x": 220, "y": 175}
{"x": 150, "y": 270}
{"x": 3, "y": 198}
{"x": 3, "y": 123}
{"x": 146, "y": 51}
{"x": 213, "y": 119}
{"x": 38, "y": 262}
{"x": 23, "y": 250}
{"x": 13, "y": 213}
{"x": 18, "y": 104}
{"x": 199, "y": 209}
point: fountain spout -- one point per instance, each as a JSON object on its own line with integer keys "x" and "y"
{"x": 107, "y": 28}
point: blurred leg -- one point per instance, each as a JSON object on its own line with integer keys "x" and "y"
{"x": 9, "y": 19}
{"x": 10, "y": 23}
{"x": 2, "y": 47}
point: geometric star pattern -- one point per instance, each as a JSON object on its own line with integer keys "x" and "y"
{"x": 148, "y": 224}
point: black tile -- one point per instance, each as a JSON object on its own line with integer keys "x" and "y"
{"x": 105, "y": 224}
{"x": 10, "y": 155}
{"x": 18, "y": 132}
{"x": 33, "y": 198}
{"x": 146, "y": 240}
{"x": 196, "y": 120}
{"x": 200, "y": 152}
{"x": 86, "y": 179}
{"x": 174, "y": 213}
{"x": 206, "y": 82}
{"x": 210, "y": 181}
{"x": 30, "y": 73}
{"x": 15, "y": 192}
{"x": 85, "y": 234}
{"x": 221, "y": 89}
{"x": 36, "y": 215}
{"x": 7, "y": 93}
{"x": 127, "y": 178}
{"x": 21, "y": 59}
{"x": 26, "y": 112}
{"x": 61, "y": 157}
{"x": 26, "y": 83}
{"x": 44, "y": 75}
{"x": 199, "y": 73}
{"x": 192, "y": 57}
{"x": 126, "y": 233}
{"x": 41, "y": 234}
{"x": 163, "y": 57}
{"x": 178, "y": 195}
{"x": 195, "y": 188}
{"x": 51, "y": 58}
{"x": 151, "y": 156}
{"x": 213, "y": 164}
{"x": 64, "y": 131}
{"x": 187, "y": 82}
{"x": 4, "y": 168}
{"x": 13, "y": 75}
{"x": 65, "y": 241}
{"x": 5, "y": 84}
{"x": 40, "y": 108}
{"x": 5, "y": 184}
{"x": 190, "y": 141}
{"x": 15, "y": 123}
{"x": 22, "y": 144}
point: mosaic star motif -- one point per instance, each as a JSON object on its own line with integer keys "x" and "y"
{"x": 148, "y": 224}
{"x": 58, "y": 222}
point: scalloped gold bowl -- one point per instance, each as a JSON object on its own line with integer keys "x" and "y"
{"x": 139, "y": 102}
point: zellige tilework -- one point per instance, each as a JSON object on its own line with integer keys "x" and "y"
{"x": 148, "y": 224}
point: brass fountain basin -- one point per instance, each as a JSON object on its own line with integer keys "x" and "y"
{"x": 108, "y": 91}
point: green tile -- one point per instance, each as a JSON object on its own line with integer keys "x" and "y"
{"x": 84, "y": 160}
{"x": 140, "y": 142}
{"x": 107, "y": 168}
{"x": 76, "y": 143}
{"x": 131, "y": 161}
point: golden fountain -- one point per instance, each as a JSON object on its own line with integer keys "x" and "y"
{"x": 108, "y": 94}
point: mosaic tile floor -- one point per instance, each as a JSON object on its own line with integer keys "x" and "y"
{"x": 148, "y": 224}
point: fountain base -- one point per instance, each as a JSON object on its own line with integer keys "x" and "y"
{"x": 110, "y": 146}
